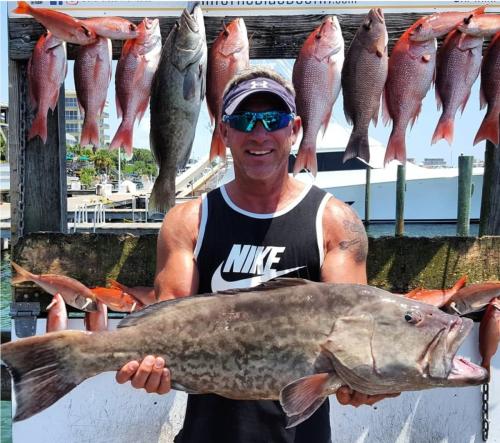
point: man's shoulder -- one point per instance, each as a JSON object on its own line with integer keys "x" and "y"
{"x": 183, "y": 217}
{"x": 337, "y": 212}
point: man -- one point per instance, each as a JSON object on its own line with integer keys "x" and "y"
{"x": 263, "y": 224}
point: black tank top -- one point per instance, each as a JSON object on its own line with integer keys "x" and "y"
{"x": 240, "y": 249}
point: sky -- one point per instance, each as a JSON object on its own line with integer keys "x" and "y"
{"x": 418, "y": 138}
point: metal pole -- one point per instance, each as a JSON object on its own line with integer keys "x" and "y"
{"x": 400, "y": 200}
{"x": 119, "y": 168}
{"x": 464, "y": 194}
{"x": 367, "y": 195}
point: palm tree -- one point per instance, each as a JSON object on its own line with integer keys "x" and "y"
{"x": 103, "y": 160}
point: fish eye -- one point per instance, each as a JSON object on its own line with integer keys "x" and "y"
{"x": 367, "y": 25}
{"x": 413, "y": 317}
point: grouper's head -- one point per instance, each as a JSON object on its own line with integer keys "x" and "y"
{"x": 388, "y": 343}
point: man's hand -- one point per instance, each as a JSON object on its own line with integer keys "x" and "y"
{"x": 348, "y": 396}
{"x": 150, "y": 374}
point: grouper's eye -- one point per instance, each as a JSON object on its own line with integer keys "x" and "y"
{"x": 413, "y": 317}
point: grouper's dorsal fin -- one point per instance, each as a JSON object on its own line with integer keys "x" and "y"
{"x": 150, "y": 310}
{"x": 276, "y": 283}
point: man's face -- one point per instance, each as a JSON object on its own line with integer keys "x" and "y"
{"x": 260, "y": 154}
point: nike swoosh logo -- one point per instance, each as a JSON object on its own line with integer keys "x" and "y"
{"x": 219, "y": 284}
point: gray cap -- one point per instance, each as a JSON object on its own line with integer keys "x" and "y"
{"x": 241, "y": 91}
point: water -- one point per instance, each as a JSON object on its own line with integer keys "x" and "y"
{"x": 5, "y": 406}
{"x": 374, "y": 230}
{"x": 420, "y": 229}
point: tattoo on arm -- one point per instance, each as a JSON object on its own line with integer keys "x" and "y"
{"x": 357, "y": 243}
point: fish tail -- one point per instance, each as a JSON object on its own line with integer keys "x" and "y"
{"x": 460, "y": 283}
{"x": 123, "y": 138}
{"x": 444, "y": 129}
{"x": 396, "y": 147}
{"x": 306, "y": 159}
{"x": 22, "y": 274}
{"x": 358, "y": 146}
{"x": 489, "y": 129}
{"x": 22, "y": 8}
{"x": 217, "y": 147}
{"x": 39, "y": 126}
{"x": 41, "y": 370}
{"x": 162, "y": 196}
{"x": 116, "y": 285}
{"x": 90, "y": 132}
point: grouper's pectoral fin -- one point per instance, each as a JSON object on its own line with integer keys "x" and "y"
{"x": 302, "y": 397}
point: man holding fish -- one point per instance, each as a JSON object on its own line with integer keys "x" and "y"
{"x": 262, "y": 225}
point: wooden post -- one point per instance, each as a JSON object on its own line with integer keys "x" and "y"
{"x": 400, "y": 200}
{"x": 490, "y": 201}
{"x": 464, "y": 194}
{"x": 367, "y": 195}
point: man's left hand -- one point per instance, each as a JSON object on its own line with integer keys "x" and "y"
{"x": 348, "y": 396}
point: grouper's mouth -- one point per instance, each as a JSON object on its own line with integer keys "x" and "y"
{"x": 467, "y": 373}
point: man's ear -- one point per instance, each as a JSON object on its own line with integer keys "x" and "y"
{"x": 296, "y": 126}
{"x": 223, "y": 132}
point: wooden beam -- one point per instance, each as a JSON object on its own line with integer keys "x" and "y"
{"x": 493, "y": 223}
{"x": 395, "y": 264}
{"x": 270, "y": 36}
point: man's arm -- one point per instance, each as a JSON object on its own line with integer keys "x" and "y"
{"x": 176, "y": 276}
{"x": 346, "y": 250}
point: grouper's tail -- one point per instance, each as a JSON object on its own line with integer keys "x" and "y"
{"x": 43, "y": 369}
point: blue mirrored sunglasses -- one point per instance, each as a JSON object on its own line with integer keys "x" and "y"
{"x": 271, "y": 120}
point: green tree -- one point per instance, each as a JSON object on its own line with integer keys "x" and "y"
{"x": 103, "y": 161}
{"x": 87, "y": 176}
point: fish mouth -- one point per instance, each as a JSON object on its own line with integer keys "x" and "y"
{"x": 378, "y": 14}
{"x": 464, "y": 372}
{"x": 192, "y": 18}
{"x": 151, "y": 23}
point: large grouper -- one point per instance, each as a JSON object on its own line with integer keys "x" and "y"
{"x": 288, "y": 339}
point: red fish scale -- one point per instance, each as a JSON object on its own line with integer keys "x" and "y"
{"x": 490, "y": 75}
{"x": 457, "y": 70}
{"x": 315, "y": 95}
{"x": 408, "y": 81}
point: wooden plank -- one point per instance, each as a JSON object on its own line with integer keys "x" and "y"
{"x": 17, "y": 117}
{"x": 493, "y": 226}
{"x": 45, "y": 200}
{"x": 270, "y": 36}
{"x": 395, "y": 264}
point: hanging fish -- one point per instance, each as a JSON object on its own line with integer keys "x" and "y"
{"x": 61, "y": 25}
{"x": 228, "y": 55}
{"x": 47, "y": 69}
{"x": 363, "y": 79}
{"x": 177, "y": 92}
{"x": 490, "y": 93}
{"x": 457, "y": 67}
{"x": 317, "y": 79}
{"x": 134, "y": 74}
{"x": 92, "y": 76}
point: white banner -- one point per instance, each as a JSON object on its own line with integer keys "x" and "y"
{"x": 249, "y": 8}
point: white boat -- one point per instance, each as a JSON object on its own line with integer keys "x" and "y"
{"x": 431, "y": 193}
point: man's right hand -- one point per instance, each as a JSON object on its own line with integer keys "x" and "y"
{"x": 150, "y": 374}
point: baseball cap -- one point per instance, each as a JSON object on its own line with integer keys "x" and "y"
{"x": 239, "y": 92}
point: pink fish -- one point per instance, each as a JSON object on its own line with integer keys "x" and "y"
{"x": 47, "y": 69}
{"x": 489, "y": 333}
{"x": 134, "y": 75}
{"x": 61, "y": 25}
{"x": 458, "y": 65}
{"x": 57, "y": 317}
{"x": 115, "y": 28}
{"x": 92, "y": 77}
{"x": 72, "y": 291}
{"x": 317, "y": 79}
{"x": 481, "y": 25}
{"x": 436, "y": 297}
{"x": 490, "y": 93}
{"x": 227, "y": 56}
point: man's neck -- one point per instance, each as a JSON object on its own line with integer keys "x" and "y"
{"x": 264, "y": 197}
